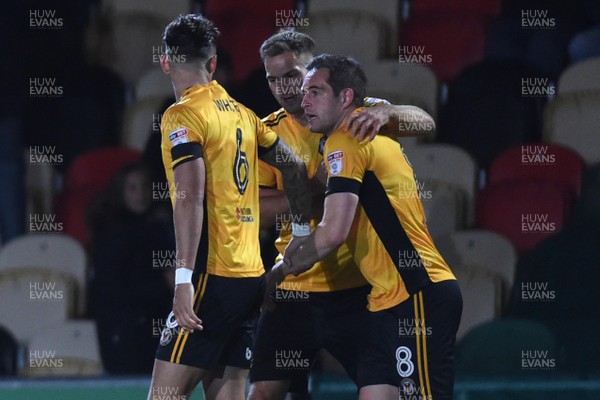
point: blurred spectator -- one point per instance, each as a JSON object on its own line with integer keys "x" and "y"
{"x": 556, "y": 283}
{"x": 152, "y": 155}
{"x": 8, "y": 353}
{"x": 12, "y": 176}
{"x": 132, "y": 247}
{"x": 14, "y": 95}
{"x": 224, "y": 72}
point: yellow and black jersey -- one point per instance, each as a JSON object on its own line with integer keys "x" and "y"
{"x": 338, "y": 271}
{"x": 206, "y": 122}
{"x": 389, "y": 237}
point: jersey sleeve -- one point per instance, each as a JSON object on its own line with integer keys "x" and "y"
{"x": 346, "y": 161}
{"x": 267, "y": 139}
{"x": 183, "y": 134}
{"x": 268, "y": 176}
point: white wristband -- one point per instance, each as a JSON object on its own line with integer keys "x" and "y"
{"x": 183, "y": 275}
{"x": 300, "y": 230}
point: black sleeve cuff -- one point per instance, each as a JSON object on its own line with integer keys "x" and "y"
{"x": 264, "y": 150}
{"x": 191, "y": 151}
{"x": 342, "y": 185}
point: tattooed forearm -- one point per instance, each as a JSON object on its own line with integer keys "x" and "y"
{"x": 412, "y": 120}
{"x": 295, "y": 180}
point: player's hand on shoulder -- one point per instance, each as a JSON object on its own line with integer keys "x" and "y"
{"x": 183, "y": 308}
{"x": 366, "y": 123}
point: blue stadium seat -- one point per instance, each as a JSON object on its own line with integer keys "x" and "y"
{"x": 585, "y": 45}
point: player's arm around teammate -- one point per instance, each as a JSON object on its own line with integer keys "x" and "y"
{"x": 389, "y": 226}
{"x": 390, "y": 120}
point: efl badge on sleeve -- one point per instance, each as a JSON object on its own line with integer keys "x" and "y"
{"x": 179, "y": 136}
{"x": 335, "y": 159}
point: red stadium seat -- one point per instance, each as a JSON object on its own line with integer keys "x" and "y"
{"x": 451, "y": 40}
{"x": 543, "y": 161}
{"x": 245, "y": 26}
{"x": 525, "y": 211}
{"x": 488, "y": 8}
{"x": 88, "y": 174}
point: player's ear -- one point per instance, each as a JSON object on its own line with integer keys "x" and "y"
{"x": 212, "y": 64}
{"x": 164, "y": 63}
{"x": 347, "y": 96}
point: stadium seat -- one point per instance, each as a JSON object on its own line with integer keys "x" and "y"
{"x": 525, "y": 211}
{"x": 142, "y": 118}
{"x": 67, "y": 348}
{"x": 404, "y": 83}
{"x": 88, "y": 174}
{"x": 580, "y": 77}
{"x": 153, "y": 83}
{"x": 51, "y": 251}
{"x": 585, "y": 45}
{"x": 444, "y": 206}
{"x": 244, "y": 27}
{"x": 487, "y": 113}
{"x": 33, "y": 298}
{"x": 572, "y": 120}
{"x": 487, "y": 8}
{"x": 331, "y": 30}
{"x": 408, "y": 143}
{"x": 482, "y": 296}
{"x": 166, "y": 10}
{"x": 137, "y": 41}
{"x": 388, "y": 11}
{"x": 540, "y": 161}
{"x": 483, "y": 249}
{"x": 447, "y": 163}
{"x": 451, "y": 40}
{"x": 500, "y": 349}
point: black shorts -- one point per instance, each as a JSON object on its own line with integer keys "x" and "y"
{"x": 411, "y": 345}
{"x": 302, "y": 323}
{"x": 228, "y": 308}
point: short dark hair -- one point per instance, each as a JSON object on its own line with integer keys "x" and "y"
{"x": 192, "y": 36}
{"x": 344, "y": 72}
{"x": 287, "y": 40}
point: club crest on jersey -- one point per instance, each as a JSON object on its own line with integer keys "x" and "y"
{"x": 166, "y": 336}
{"x": 322, "y": 145}
{"x": 408, "y": 387}
{"x": 336, "y": 162}
{"x": 179, "y": 136}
